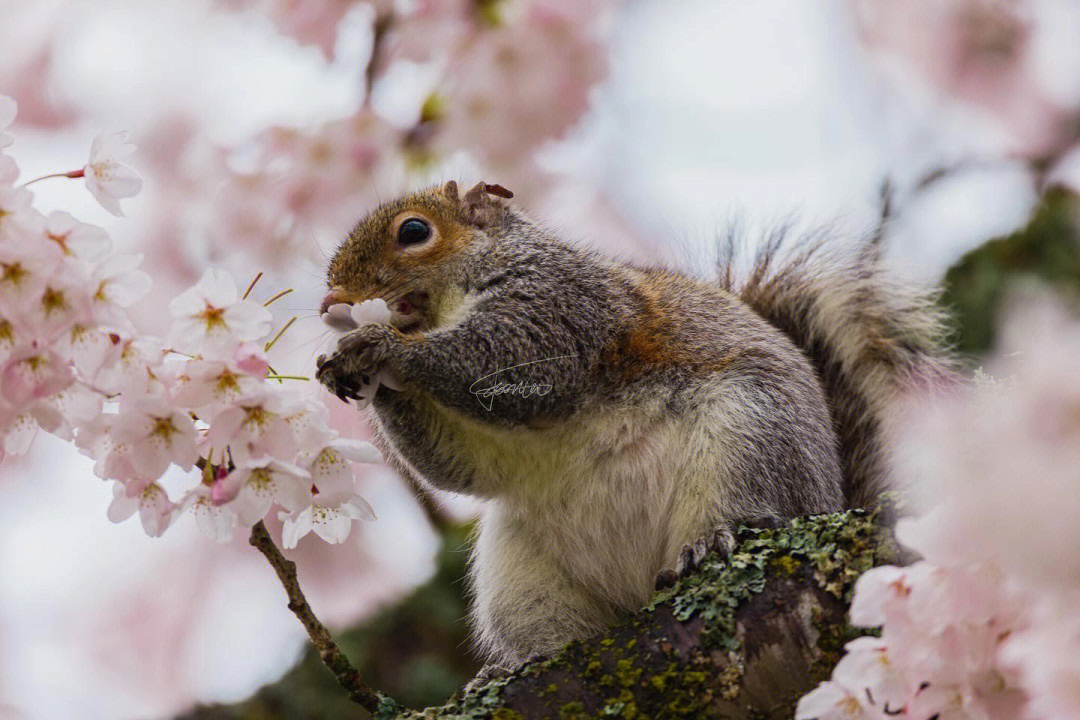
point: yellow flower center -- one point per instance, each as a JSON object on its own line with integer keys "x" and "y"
{"x": 213, "y": 317}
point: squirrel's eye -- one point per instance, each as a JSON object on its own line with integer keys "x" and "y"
{"x": 413, "y": 231}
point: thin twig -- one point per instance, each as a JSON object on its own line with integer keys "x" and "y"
{"x": 381, "y": 28}
{"x": 347, "y": 676}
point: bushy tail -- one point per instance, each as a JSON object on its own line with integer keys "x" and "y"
{"x": 869, "y": 335}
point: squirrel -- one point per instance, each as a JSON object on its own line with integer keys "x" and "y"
{"x": 621, "y": 420}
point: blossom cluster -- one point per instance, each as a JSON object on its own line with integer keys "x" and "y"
{"x": 203, "y": 397}
{"x": 985, "y": 625}
{"x": 62, "y": 299}
{"x": 501, "y": 79}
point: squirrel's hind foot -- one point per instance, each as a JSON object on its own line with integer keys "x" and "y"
{"x": 721, "y": 541}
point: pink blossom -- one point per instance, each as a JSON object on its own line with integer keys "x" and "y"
{"x": 81, "y": 240}
{"x": 25, "y": 268}
{"x": 117, "y": 283}
{"x": 255, "y": 426}
{"x": 830, "y": 701}
{"x": 212, "y": 385}
{"x": 107, "y": 178}
{"x": 217, "y": 521}
{"x": 112, "y": 457}
{"x": 64, "y": 301}
{"x": 34, "y": 373}
{"x": 330, "y": 467}
{"x": 984, "y": 626}
{"x": 158, "y": 435}
{"x": 983, "y": 53}
{"x": 255, "y": 485}
{"x": 88, "y": 348}
{"x": 331, "y": 518}
{"x": 9, "y": 170}
{"x": 129, "y": 366}
{"x": 156, "y": 511}
{"x": 211, "y": 317}
{"x": 14, "y": 204}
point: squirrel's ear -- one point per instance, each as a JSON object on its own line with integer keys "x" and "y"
{"x": 481, "y": 204}
{"x": 450, "y": 191}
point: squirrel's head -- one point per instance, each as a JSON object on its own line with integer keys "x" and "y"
{"x": 414, "y": 252}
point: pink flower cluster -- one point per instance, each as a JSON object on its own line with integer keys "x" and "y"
{"x": 62, "y": 300}
{"x": 512, "y": 75}
{"x": 506, "y": 77}
{"x": 986, "y": 625}
{"x": 72, "y": 364}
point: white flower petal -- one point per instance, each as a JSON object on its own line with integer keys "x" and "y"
{"x": 122, "y": 507}
{"x": 218, "y": 288}
{"x": 357, "y": 508}
{"x": 295, "y": 527}
{"x": 331, "y": 526}
{"x": 103, "y": 197}
{"x": 370, "y": 312}
{"x": 357, "y": 450}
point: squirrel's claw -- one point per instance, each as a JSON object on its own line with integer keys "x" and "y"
{"x": 721, "y": 541}
{"x": 359, "y": 356}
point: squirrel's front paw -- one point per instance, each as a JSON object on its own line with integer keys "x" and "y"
{"x": 359, "y": 356}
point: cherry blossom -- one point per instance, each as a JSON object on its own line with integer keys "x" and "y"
{"x": 107, "y": 179}
{"x": 329, "y": 467}
{"x": 152, "y": 503}
{"x": 329, "y": 516}
{"x": 343, "y": 317}
{"x": 255, "y": 485}
{"x": 81, "y": 240}
{"x": 985, "y": 625}
{"x": 72, "y": 364}
{"x": 212, "y": 317}
{"x": 830, "y": 701}
{"x": 159, "y": 434}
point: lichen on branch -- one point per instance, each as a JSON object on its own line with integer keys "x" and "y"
{"x": 744, "y": 637}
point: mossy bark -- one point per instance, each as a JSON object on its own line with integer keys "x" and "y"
{"x": 744, "y": 637}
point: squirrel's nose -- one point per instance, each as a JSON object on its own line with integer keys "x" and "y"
{"x": 332, "y": 298}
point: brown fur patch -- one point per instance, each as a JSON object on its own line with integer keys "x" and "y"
{"x": 662, "y": 338}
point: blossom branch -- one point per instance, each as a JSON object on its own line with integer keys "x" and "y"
{"x": 347, "y": 676}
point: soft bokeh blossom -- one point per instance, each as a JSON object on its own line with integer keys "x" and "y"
{"x": 989, "y": 54}
{"x": 8, "y": 109}
{"x": 985, "y": 625}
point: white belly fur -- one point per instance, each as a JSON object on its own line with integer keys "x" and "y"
{"x": 611, "y": 497}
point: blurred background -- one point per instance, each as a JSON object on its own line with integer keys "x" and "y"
{"x": 266, "y": 128}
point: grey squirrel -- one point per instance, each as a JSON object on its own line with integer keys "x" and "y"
{"x": 621, "y": 420}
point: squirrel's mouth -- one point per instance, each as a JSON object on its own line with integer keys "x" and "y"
{"x": 408, "y": 312}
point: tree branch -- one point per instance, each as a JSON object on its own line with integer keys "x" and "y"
{"x": 332, "y": 656}
{"x": 744, "y": 637}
